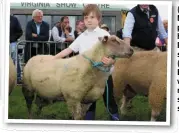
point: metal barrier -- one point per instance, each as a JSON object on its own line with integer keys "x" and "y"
{"x": 32, "y": 48}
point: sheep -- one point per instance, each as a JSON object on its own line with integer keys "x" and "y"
{"x": 73, "y": 80}
{"x": 12, "y": 75}
{"x": 145, "y": 73}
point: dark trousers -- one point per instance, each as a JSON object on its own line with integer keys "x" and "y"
{"x": 111, "y": 101}
{"x": 30, "y": 51}
{"x": 54, "y": 49}
{"x": 162, "y": 48}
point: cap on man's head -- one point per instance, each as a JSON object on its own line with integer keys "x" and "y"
{"x": 105, "y": 26}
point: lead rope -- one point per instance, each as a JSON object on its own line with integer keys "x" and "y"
{"x": 99, "y": 66}
{"x": 107, "y": 100}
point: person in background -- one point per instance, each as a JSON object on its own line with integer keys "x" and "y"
{"x": 80, "y": 27}
{"x": 36, "y": 30}
{"x": 105, "y": 27}
{"x": 165, "y": 24}
{"x": 62, "y": 36}
{"x": 142, "y": 26}
{"x": 15, "y": 33}
{"x": 61, "y": 32}
{"x": 119, "y": 33}
{"x": 160, "y": 42}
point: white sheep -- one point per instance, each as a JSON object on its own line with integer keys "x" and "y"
{"x": 12, "y": 75}
{"x": 145, "y": 73}
{"x": 72, "y": 79}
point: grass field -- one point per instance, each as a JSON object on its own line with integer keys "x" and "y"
{"x": 18, "y": 110}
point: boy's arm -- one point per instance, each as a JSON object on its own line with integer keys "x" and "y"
{"x": 73, "y": 47}
{"x": 63, "y": 53}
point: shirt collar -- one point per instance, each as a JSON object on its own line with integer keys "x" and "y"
{"x": 143, "y": 9}
{"x": 37, "y": 23}
{"x": 95, "y": 30}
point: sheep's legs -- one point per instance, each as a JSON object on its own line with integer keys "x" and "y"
{"x": 75, "y": 108}
{"x": 154, "y": 115}
{"x": 85, "y": 108}
{"x": 29, "y": 97}
{"x": 129, "y": 93}
{"x": 40, "y": 102}
{"x": 156, "y": 99}
{"x": 123, "y": 106}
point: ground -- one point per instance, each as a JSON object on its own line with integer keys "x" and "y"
{"x": 58, "y": 111}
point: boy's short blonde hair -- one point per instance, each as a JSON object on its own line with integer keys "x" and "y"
{"x": 92, "y": 8}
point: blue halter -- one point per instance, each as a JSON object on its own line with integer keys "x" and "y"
{"x": 99, "y": 65}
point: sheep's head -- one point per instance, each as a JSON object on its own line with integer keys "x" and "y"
{"x": 116, "y": 47}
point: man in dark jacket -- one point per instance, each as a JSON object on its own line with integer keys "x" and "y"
{"x": 142, "y": 26}
{"x": 15, "y": 33}
{"x": 15, "y": 29}
{"x": 36, "y": 30}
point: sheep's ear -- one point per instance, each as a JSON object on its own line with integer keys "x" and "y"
{"x": 103, "y": 39}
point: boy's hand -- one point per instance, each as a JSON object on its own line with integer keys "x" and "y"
{"x": 108, "y": 61}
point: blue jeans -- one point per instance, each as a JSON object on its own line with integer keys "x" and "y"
{"x": 13, "y": 52}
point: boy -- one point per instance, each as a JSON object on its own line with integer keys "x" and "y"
{"x": 92, "y": 18}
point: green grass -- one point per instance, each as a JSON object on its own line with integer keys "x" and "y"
{"x": 58, "y": 111}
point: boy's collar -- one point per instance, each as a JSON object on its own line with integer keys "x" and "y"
{"x": 96, "y": 29}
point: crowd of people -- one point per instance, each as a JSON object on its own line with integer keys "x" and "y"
{"x": 142, "y": 27}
